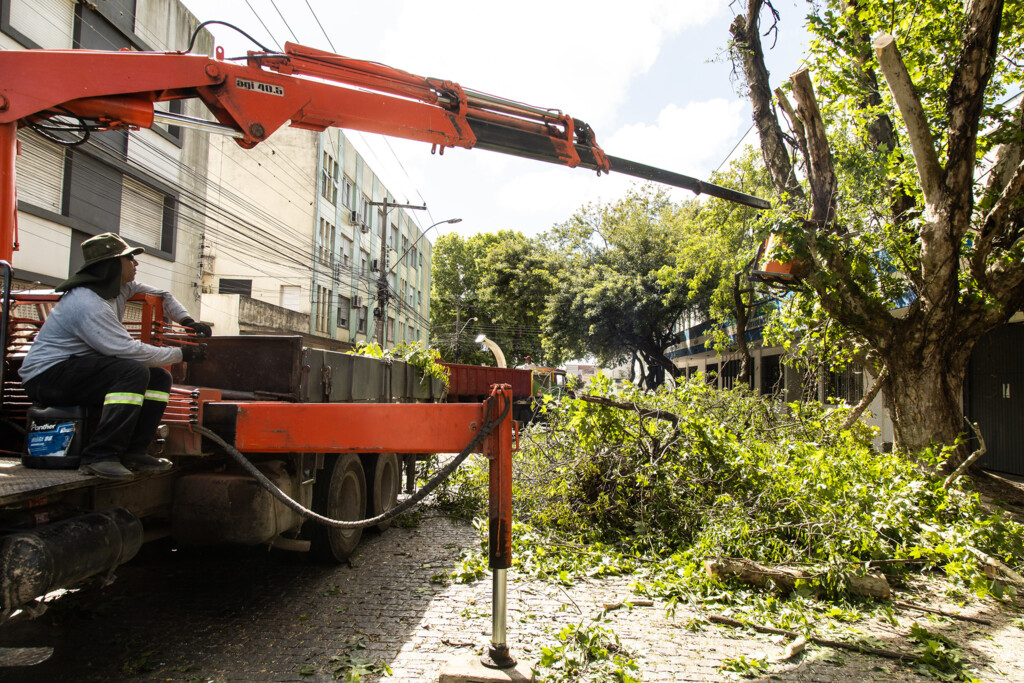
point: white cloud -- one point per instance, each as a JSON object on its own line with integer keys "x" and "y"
{"x": 568, "y": 59}
{"x": 687, "y": 139}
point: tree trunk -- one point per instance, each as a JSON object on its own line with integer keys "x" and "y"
{"x": 742, "y": 316}
{"x": 923, "y": 391}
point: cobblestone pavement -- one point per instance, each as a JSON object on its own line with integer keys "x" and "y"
{"x": 250, "y": 615}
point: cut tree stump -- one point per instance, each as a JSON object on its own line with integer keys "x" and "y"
{"x": 784, "y": 578}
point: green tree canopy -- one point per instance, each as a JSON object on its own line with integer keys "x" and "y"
{"x": 490, "y": 283}
{"x": 719, "y": 242}
{"x": 610, "y": 302}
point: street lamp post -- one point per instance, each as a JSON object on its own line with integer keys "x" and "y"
{"x": 417, "y": 241}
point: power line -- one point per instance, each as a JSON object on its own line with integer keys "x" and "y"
{"x": 333, "y": 49}
{"x": 260, "y": 19}
{"x": 272, "y": 2}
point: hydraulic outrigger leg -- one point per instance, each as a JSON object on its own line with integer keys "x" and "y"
{"x": 498, "y": 449}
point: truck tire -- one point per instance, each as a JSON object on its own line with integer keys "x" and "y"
{"x": 339, "y": 492}
{"x": 384, "y": 479}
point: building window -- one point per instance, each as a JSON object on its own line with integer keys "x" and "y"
{"x": 364, "y": 263}
{"x": 348, "y": 193}
{"x": 344, "y": 307}
{"x": 291, "y": 297}
{"x": 142, "y": 214}
{"x": 329, "y": 178}
{"x": 730, "y": 371}
{"x": 44, "y": 23}
{"x": 345, "y": 254}
{"x": 366, "y": 210}
{"x": 230, "y": 286}
{"x": 772, "y": 383}
{"x": 325, "y": 244}
{"x": 362, "y": 320}
{"x": 390, "y": 332}
{"x": 845, "y": 385}
{"x": 40, "y": 176}
{"x": 323, "y": 308}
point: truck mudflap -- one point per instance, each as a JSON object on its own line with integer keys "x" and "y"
{"x": 65, "y": 553}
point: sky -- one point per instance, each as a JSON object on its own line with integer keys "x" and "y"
{"x": 649, "y": 76}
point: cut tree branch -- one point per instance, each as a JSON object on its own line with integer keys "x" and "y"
{"x": 867, "y": 399}
{"x": 819, "y": 161}
{"x": 839, "y": 644}
{"x": 773, "y": 144}
{"x": 895, "y": 71}
{"x": 784, "y": 579}
{"x": 642, "y": 412}
{"x": 971, "y": 459}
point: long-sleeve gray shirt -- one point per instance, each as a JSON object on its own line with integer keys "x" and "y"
{"x": 84, "y": 324}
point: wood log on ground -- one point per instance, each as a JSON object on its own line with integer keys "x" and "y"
{"x": 784, "y": 578}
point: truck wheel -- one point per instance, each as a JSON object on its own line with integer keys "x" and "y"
{"x": 339, "y": 492}
{"x": 384, "y": 479}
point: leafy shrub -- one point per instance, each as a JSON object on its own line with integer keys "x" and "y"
{"x": 424, "y": 359}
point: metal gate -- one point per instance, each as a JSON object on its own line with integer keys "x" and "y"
{"x": 995, "y": 397}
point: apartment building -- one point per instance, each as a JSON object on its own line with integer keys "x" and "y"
{"x": 299, "y": 249}
{"x": 140, "y": 184}
{"x": 284, "y": 238}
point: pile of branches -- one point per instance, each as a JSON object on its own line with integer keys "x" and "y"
{"x": 699, "y": 474}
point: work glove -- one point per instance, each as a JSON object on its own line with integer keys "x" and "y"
{"x": 193, "y": 354}
{"x": 201, "y": 329}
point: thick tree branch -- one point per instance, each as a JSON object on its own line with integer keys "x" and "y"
{"x": 996, "y": 276}
{"x": 928, "y": 169}
{"x": 965, "y": 100}
{"x": 1008, "y": 156}
{"x": 794, "y": 121}
{"x": 773, "y": 145}
{"x": 819, "y": 162}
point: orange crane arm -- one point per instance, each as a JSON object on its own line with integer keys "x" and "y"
{"x": 301, "y": 87}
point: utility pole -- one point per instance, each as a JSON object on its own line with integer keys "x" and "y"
{"x": 383, "y": 292}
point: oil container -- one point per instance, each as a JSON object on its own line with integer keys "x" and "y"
{"x": 54, "y": 437}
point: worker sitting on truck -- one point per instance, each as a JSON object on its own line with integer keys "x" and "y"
{"x": 83, "y": 355}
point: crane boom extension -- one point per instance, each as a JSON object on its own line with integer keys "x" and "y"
{"x": 302, "y": 87}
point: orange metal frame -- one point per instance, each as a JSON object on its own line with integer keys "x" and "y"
{"x": 274, "y": 427}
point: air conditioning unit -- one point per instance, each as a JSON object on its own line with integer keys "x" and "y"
{"x": 364, "y": 228}
{"x": 373, "y": 267}
{"x": 353, "y": 216}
